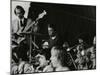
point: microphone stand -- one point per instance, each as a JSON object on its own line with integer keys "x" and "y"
{"x": 30, "y": 46}
{"x": 72, "y": 57}
{"x": 72, "y": 60}
{"x": 34, "y": 40}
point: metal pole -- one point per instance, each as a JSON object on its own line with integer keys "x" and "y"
{"x": 30, "y": 48}
{"x": 72, "y": 60}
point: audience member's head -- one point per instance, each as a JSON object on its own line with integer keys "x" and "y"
{"x": 43, "y": 57}
{"x": 59, "y": 57}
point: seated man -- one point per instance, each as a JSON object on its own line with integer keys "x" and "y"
{"x": 59, "y": 59}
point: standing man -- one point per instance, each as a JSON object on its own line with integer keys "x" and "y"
{"x": 17, "y": 27}
{"x": 19, "y": 24}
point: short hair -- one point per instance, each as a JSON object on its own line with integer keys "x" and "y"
{"x": 46, "y": 53}
{"x": 62, "y": 55}
{"x": 21, "y": 9}
{"x": 52, "y": 26}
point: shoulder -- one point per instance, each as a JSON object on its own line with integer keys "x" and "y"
{"x": 14, "y": 21}
{"x": 25, "y": 18}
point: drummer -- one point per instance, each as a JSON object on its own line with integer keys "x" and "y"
{"x": 53, "y": 37}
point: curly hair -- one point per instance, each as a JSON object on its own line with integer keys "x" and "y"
{"x": 62, "y": 55}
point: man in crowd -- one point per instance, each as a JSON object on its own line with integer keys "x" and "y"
{"x": 44, "y": 62}
{"x": 60, "y": 59}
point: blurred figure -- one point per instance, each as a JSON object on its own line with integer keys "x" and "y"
{"x": 45, "y": 45}
{"x": 65, "y": 45}
{"x": 21, "y": 67}
{"x": 91, "y": 53}
{"x": 25, "y": 67}
{"x": 81, "y": 60}
{"x": 28, "y": 68}
{"x": 59, "y": 59}
{"x": 81, "y": 48}
{"x": 80, "y": 41}
{"x": 14, "y": 69}
{"x": 94, "y": 41}
{"x": 43, "y": 58}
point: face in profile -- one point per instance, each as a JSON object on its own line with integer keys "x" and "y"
{"x": 42, "y": 60}
{"x": 19, "y": 13}
{"x": 50, "y": 31}
{"x": 54, "y": 59}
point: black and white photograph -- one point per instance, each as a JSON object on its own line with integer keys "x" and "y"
{"x": 52, "y": 37}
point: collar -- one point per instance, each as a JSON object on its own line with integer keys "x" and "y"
{"x": 53, "y": 37}
{"x": 21, "y": 19}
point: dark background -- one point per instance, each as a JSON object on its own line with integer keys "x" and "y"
{"x": 71, "y": 21}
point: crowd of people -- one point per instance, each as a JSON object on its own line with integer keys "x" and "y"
{"x": 53, "y": 55}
